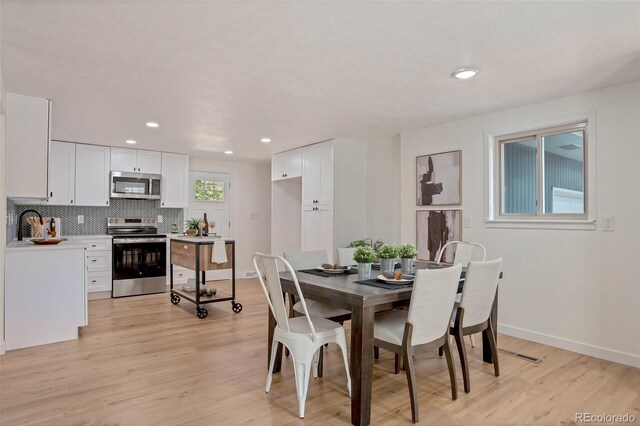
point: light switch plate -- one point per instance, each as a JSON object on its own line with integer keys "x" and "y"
{"x": 80, "y": 219}
{"x": 159, "y": 218}
{"x": 253, "y": 215}
{"x": 467, "y": 221}
{"x": 608, "y": 223}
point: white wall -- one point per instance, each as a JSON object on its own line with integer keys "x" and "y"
{"x": 574, "y": 289}
{"x": 383, "y": 188}
{"x": 250, "y": 192}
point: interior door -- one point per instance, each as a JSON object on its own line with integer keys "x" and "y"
{"x": 210, "y": 193}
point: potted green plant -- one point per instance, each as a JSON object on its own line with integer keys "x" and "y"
{"x": 407, "y": 253}
{"x": 193, "y": 225}
{"x": 364, "y": 256}
{"x": 387, "y": 255}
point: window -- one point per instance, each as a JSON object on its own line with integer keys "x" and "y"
{"x": 206, "y": 190}
{"x": 542, "y": 173}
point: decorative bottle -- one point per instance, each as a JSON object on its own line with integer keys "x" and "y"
{"x": 205, "y": 228}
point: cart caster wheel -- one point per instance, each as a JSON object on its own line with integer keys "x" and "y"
{"x": 202, "y": 312}
{"x": 175, "y": 299}
{"x": 236, "y": 307}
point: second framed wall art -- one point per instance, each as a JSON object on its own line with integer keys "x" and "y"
{"x": 438, "y": 179}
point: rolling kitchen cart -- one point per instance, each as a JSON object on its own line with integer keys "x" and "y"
{"x": 195, "y": 253}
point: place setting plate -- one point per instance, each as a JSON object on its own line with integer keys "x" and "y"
{"x": 336, "y": 270}
{"x": 393, "y": 280}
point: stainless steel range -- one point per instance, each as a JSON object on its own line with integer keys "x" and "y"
{"x": 139, "y": 256}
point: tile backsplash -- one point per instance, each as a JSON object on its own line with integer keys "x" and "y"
{"x": 95, "y": 218}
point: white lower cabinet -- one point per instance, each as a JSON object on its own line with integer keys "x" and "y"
{"x": 99, "y": 267}
{"x": 317, "y": 229}
{"x": 45, "y": 295}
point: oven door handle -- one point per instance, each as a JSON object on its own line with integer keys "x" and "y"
{"x": 138, "y": 240}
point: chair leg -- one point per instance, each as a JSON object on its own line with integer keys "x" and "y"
{"x": 302, "y": 382}
{"x": 462, "y": 351}
{"x": 494, "y": 350}
{"x": 440, "y": 352}
{"x": 452, "y": 370}
{"x": 342, "y": 343}
{"x": 473, "y": 343}
{"x": 411, "y": 380}
{"x": 272, "y": 361}
{"x": 320, "y": 362}
{"x": 376, "y": 352}
{"x": 396, "y": 363}
{"x": 286, "y": 351}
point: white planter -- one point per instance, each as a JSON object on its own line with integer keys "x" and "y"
{"x": 364, "y": 271}
{"x": 407, "y": 265}
{"x": 387, "y": 265}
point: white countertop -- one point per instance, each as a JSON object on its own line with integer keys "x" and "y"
{"x": 186, "y": 238}
{"x": 26, "y": 245}
{"x": 88, "y": 237}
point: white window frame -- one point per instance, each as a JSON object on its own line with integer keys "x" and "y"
{"x": 493, "y": 170}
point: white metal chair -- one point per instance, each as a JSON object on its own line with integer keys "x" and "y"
{"x": 473, "y": 314}
{"x": 345, "y": 256}
{"x": 300, "y": 260}
{"x": 304, "y": 336}
{"x": 463, "y": 255}
{"x": 425, "y": 323}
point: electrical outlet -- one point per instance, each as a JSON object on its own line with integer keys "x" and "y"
{"x": 250, "y": 274}
{"x": 80, "y": 219}
{"x": 159, "y": 218}
{"x": 467, "y": 221}
{"x": 608, "y": 223}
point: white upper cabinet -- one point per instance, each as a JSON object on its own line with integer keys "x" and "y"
{"x": 136, "y": 161}
{"x": 92, "y": 175}
{"x": 175, "y": 180}
{"x": 27, "y": 146}
{"x": 62, "y": 173}
{"x": 317, "y": 174}
{"x": 286, "y": 165}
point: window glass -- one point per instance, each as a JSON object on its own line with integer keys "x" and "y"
{"x": 563, "y": 169}
{"x": 208, "y": 190}
{"x": 520, "y": 186}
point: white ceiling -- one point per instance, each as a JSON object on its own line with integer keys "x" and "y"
{"x": 221, "y": 75}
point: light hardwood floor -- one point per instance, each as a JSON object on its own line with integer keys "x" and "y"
{"x": 143, "y": 361}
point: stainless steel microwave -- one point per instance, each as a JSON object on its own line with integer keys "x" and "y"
{"x": 143, "y": 186}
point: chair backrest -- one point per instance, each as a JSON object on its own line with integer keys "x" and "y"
{"x": 306, "y": 259}
{"x": 266, "y": 267}
{"x": 345, "y": 256}
{"x": 463, "y": 253}
{"x": 479, "y": 291}
{"x": 432, "y": 299}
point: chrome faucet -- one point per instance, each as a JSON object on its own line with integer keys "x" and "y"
{"x": 20, "y": 221}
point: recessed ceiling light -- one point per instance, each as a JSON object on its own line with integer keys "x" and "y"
{"x": 152, "y": 124}
{"x": 228, "y": 152}
{"x": 465, "y": 73}
{"x": 265, "y": 140}
{"x": 131, "y": 141}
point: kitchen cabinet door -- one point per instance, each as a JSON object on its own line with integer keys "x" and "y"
{"x": 317, "y": 174}
{"x": 92, "y": 175}
{"x": 278, "y": 166}
{"x": 124, "y": 160}
{"x": 62, "y": 173}
{"x": 27, "y": 146}
{"x": 175, "y": 180}
{"x": 317, "y": 229}
{"x": 294, "y": 163}
{"x": 149, "y": 162}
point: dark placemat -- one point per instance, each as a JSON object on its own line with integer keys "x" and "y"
{"x": 375, "y": 283}
{"x": 320, "y": 273}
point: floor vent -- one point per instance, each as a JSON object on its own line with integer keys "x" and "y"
{"x": 521, "y": 356}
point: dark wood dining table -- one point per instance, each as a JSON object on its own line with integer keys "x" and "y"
{"x": 363, "y": 301}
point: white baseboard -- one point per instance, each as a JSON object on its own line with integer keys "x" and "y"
{"x": 571, "y": 345}
{"x": 1, "y": 347}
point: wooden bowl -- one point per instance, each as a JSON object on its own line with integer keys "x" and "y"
{"x": 42, "y": 241}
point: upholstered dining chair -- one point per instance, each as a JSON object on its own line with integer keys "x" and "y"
{"x": 300, "y": 260}
{"x": 304, "y": 336}
{"x": 426, "y": 323}
{"x": 463, "y": 255}
{"x": 345, "y": 256}
{"x": 473, "y": 313}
